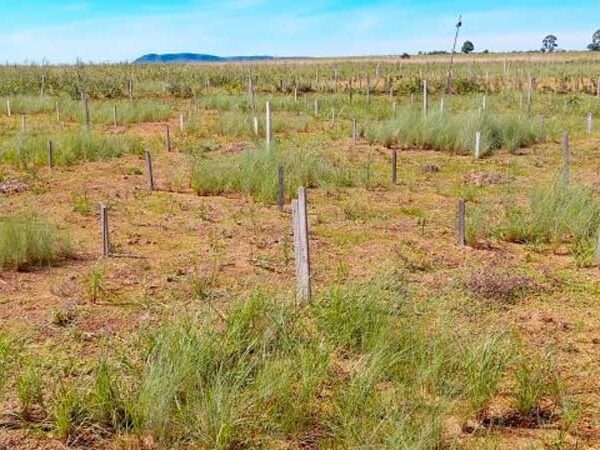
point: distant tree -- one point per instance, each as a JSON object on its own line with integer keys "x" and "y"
{"x": 468, "y": 47}
{"x": 549, "y": 43}
{"x": 595, "y": 45}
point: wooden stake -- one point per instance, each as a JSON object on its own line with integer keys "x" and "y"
{"x": 478, "y": 145}
{"x": 255, "y": 125}
{"x": 115, "y": 123}
{"x": 268, "y": 134}
{"x": 425, "y": 97}
{"x": 168, "y": 138}
{"x": 354, "y": 132}
{"x": 86, "y": 108}
{"x": 280, "y": 188}
{"x": 301, "y": 241}
{"x": 590, "y": 123}
{"x": 394, "y": 166}
{"x": 149, "y": 170}
{"x": 461, "y": 223}
{"x": 181, "y": 122}
{"x": 316, "y": 107}
{"x": 104, "y": 229}
{"x": 57, "y": 112}
{"x": 8, "y": 110}
{"x": 50, "y": 154}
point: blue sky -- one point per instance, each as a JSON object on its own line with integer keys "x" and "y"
{"x": 111, "y": 30}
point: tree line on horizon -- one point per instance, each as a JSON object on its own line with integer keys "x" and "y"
{"x": 549, "y": 45}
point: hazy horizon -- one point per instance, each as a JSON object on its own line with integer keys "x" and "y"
{"x": 111, "y": 31}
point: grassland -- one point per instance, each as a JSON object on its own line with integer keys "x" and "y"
{"x": 189, "y": 335}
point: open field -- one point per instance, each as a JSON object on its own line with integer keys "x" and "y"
{"x": 189, "y": 335}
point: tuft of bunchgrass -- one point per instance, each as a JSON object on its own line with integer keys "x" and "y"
{"x": 28, "y": 241}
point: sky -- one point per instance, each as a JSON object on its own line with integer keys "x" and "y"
{"x": 122, "y": 30}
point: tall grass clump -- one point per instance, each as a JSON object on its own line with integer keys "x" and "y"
{"x": 254, "y": 172}
{"x": 27, "y": 241}
{"x": 127, "y": 112}
{"x": 455, "y": 132}
{"x": 28, "y": 152}
{"x": 354, "y": 369}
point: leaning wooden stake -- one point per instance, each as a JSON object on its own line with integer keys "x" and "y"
{"x": 461, "y": 223}
{"x": 566, "y": 158}
{"x": 149, "y": 170}
{"x": 280, "y": 188}
{"x": 301, "y": 245}
{"x": 50, "y": 154}
{"x": 104, "y": 229}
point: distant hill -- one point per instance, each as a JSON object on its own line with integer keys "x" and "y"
{"x": 185, "y": 58}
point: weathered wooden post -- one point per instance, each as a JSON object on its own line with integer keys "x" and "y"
{"x": 442, "y": 105}
{"x": 268, "y": 124}
{"x": 354, "y": 132}
{"x": 332, "y": 117}
{"x": 394, "y": 166}
{"x": 529, "y": 94}
{"x": 394, "y": 107}
{"x": 50, "y": 154}
{"x": 590, "y": 123}
{"x": 301, "y": 245}
{"x": 57, "y": 112}
{"x": 566, "y": 157}
{"x": 425, "y": 97}
{"x": 168, "y": 138}
{"x": 104, "y": 229}
{"x": 149, "y": 170}
{"x": 280, "y": 188}
{"x": 316, "y": 109}
{"x": 295, "y": 94}
{"x": 478, "y": 145}
{"x": 484, "y": 102}
{"x": 461, "y": 223}
{"x": 368, "y": 90}
{"x": 86, "y": 109}
{"x": 130, "y": 89}
{"x": 115, "y": 122}
{"x": 8, "y": 110}
{"x": 181, "y": 122}
{"x": 255, "y": 125}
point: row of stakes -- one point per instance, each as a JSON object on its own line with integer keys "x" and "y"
{"x": 300, "y": 219}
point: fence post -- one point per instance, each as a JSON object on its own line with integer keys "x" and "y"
{"x": 8, "y": 110}
{"x": 168, "y": 137}
{"x": 478, "y": 145}
{"x": 149, "y": 170}
{"x": 115, "y": 116}
{"x": 566, "y": 158}
{"x": 394, "y": 166}
{"x": 529, "y": 93}
{"x": 590, "y": 123}
{"x": 86, "y": 107}
{"x": 425, "y": 97}
{"x": 301, "y": 245}
{"x": 442, "y": 105}
{"x": 181, "y": 123}
{"x": 255, "y": 125}
{"x": 268, "y": 124}
{"x": 461, "y": 223}
{"x": 354, "y": 132}
{"x": 104, "y": 228}
{"x": 316, "y": 107}
{"x": 57, "y": 112}
{"x": 50, "y": 154}
{"x": 280, "y": 188}
{"x": 332, "y": 117}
